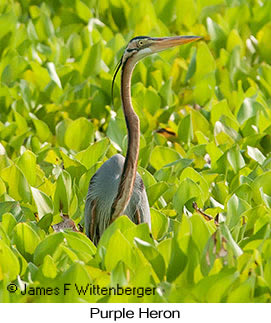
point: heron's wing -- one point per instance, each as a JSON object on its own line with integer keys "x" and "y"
{"x": 92, "y": 220}
{"x": 138, "y": 209}
{"x": 90, "y": 210}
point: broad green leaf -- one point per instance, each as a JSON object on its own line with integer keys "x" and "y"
{"x": 25, "y": 239}
{"x": 248, "y": 109}
{"x": 159, "y": 224}
{"x": 153, "y": 256}
{"x": 93, "y": 153}
{"x": 114, "y": 254}
{"x": 42, "y": 130}
{"x": 161, "y": 156}
{"x": 43, "y": 202}
{"x": 185, "y": 130}
{"x": 201, "y": 231}
{"x": 18, "y": 186}
{"x": 27, "y": 163}
{"x": 256, "y": 154}
{"x": 61, "y": 128}
{"x": 7, "y": 23}
{"x": 63, "y": 192}
{"x": 155, "y": 191}
{"x": 261, "y": 181}
{"x": 218, "y": 37}
{"x": 219, "y": 109}
{"x": 237, "y": 251}
{"x": 83, "y": 10}
{"x": 90, "y": 64}
{"x": 188, "y": 191}
{"x": 48, "y": 268}
{"x": 263, "y": 35}
{"x": 190, "y": 173}
{"x": 53, "y": 74}
{"x": 122, "y": 223}
{"x": 8, "y": 222}
{"x": 116, "y": 130}
{"x": 79, "y": 134}
{"x": 177, "y": 261}
{"x": 47, "y": 247}
{"x": 81, "y": 245}
{"x": 244, "y": 292}
{"x": 119, "y": 274}
{"x": 235, "y": 159}
{"x": 9, "y": 264}
{"x": 235, "y": 208}
{"x": 152, "y": 100}
{"x": 192, "y": 67}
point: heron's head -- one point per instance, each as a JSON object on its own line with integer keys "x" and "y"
{"x": 142, "y": 46}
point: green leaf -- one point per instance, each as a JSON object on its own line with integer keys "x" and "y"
{"x": 9, "y": 264}
{"x": 177, "y": 262}
{"x": 155, "y": 191}
{"x": 256, "y": 154}
{"x": 117, "y": 130}
{"x": 53, "y": 74}
{"x": 48, "y": 268}
{"x": 7, "y": 23}
{"x": 263, "y": 37}
{"x": 261, "y": 181}
{"x": 161, "y": 156}
{"x": 42, "y": 130}
{"x": 63, "y": 192}
{"x": 47, "y": 247}
{"x": 159, "y": 224}
{"x": 79, "y": 134}
{"x": 27, "y": 163}
{"x": 81, "y": 245}
{"x": 237, "y": 251}
{"x": 190, "y": 173}
{"x": 43, "y": 202}
{"x": 25, "y": 239}
{"x": 122, "y": 223}
{"x": 185, "y": 130}
{"x": 119, "y": 274}
{"x": 243, "y": 293}
{"x": 192, "y": 67}
{"x": 248, "y": 109}
{"x": 8, "y": 222}
{"x": 93, "y": 153}
{"x": 83, "y": 10}
{"x": 114, "y": 254}
{"x": 235, "y": 159}
{"x": 153, "y": 256}
{"x": 218, "y": 37}
{"x": 17, "y": 183}
{"x": 152, "y": 100}
{"x": 235, "y": 208}
{"x": 220, "y": 109}
{"x": 188, "y": 191}
{"x": 91, "y": 60}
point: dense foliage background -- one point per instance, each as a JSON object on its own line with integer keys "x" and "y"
{"x": 57, "y": 126}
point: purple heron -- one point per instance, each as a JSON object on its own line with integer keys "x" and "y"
{"x": 116, "y": 188}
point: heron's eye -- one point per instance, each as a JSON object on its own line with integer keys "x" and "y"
{"x": 140, "y": 43}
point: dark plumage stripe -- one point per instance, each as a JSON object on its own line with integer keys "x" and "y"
{"x": 129, "y": 50}
{"x": 140, "y": 37}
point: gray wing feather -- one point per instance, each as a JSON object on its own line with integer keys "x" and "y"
{"x": 103, "y": 189}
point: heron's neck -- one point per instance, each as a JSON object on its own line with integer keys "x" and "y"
{"x": 128, "y": 176}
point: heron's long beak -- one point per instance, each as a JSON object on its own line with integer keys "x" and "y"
{"x": 163, "y": 43}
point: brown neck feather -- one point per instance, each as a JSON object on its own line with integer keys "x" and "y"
{"x": 133, "y": 127}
